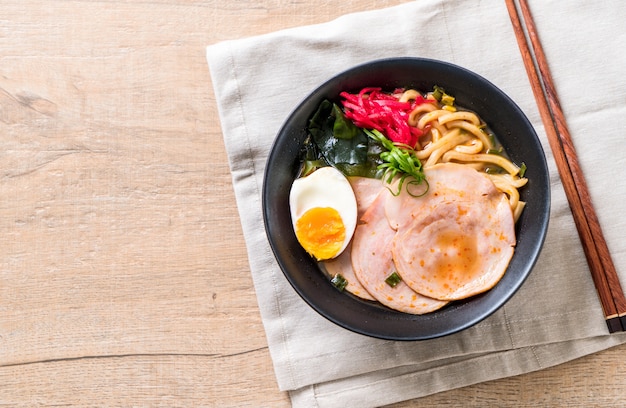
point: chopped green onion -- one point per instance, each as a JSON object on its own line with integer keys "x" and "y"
{"x": 495, "y": 151}
{"x": 308, "y": 166}
{"x": 339, "y": 282}
{"x": 393, "y": 279}
{"x": 399, "y": 160}
{"x": 522, "y": 170}
{"x": 447, "y": 100}
{"x": 438, "y": 92}
{"x": 441, "y": 96}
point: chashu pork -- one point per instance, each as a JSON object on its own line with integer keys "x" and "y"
{"x": 373, "y": 264}
{"x": 455, "y": 241}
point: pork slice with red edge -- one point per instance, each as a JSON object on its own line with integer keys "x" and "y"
{"x": 365, "y": 190}
{"x": 456, "y": 241}
{"x": 373, "y": 264}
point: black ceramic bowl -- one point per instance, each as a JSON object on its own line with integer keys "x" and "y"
{"x": 471, "y": 91}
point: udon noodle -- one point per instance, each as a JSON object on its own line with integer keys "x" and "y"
{"x": 452, "y": 135}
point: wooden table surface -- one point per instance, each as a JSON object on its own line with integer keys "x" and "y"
{"x": 123, "y": 277}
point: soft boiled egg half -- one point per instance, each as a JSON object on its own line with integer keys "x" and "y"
{"x": 323, "y": 212}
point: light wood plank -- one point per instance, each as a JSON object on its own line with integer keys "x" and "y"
{"x": 123, "y": 277}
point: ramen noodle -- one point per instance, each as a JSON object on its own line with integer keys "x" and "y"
{"x": 454, "y": 135}
{"x": 452, "y": 234}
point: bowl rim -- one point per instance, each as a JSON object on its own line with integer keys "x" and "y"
{"x": 376, "y": 320}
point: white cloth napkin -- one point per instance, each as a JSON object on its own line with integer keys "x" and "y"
{"x": 556, "y": 316}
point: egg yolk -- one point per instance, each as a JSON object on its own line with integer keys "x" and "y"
{"x": 321, "y": 232}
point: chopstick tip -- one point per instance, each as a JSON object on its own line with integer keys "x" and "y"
{"x": 616, "y": 324}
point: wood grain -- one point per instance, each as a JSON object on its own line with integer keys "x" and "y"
{"x": 596, "y": 250}
{"x": 603, "y": 253}
{"x": 123, "y": 277}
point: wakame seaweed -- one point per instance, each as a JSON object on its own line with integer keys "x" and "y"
{"x": 340, "y": 143}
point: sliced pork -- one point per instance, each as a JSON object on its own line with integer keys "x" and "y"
{"x": 373, "y": 264}
{"x": 455, "y": 241}
{"x": 365, "y": 190}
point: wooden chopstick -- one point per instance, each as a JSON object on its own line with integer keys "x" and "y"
{"x": 604, "y": 254}
{"x": 601, "y": 265}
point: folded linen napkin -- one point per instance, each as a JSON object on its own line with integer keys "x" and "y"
{"x": 556, "y": 316}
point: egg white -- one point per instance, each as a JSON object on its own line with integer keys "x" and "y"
{"x": 325, "y": 187}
